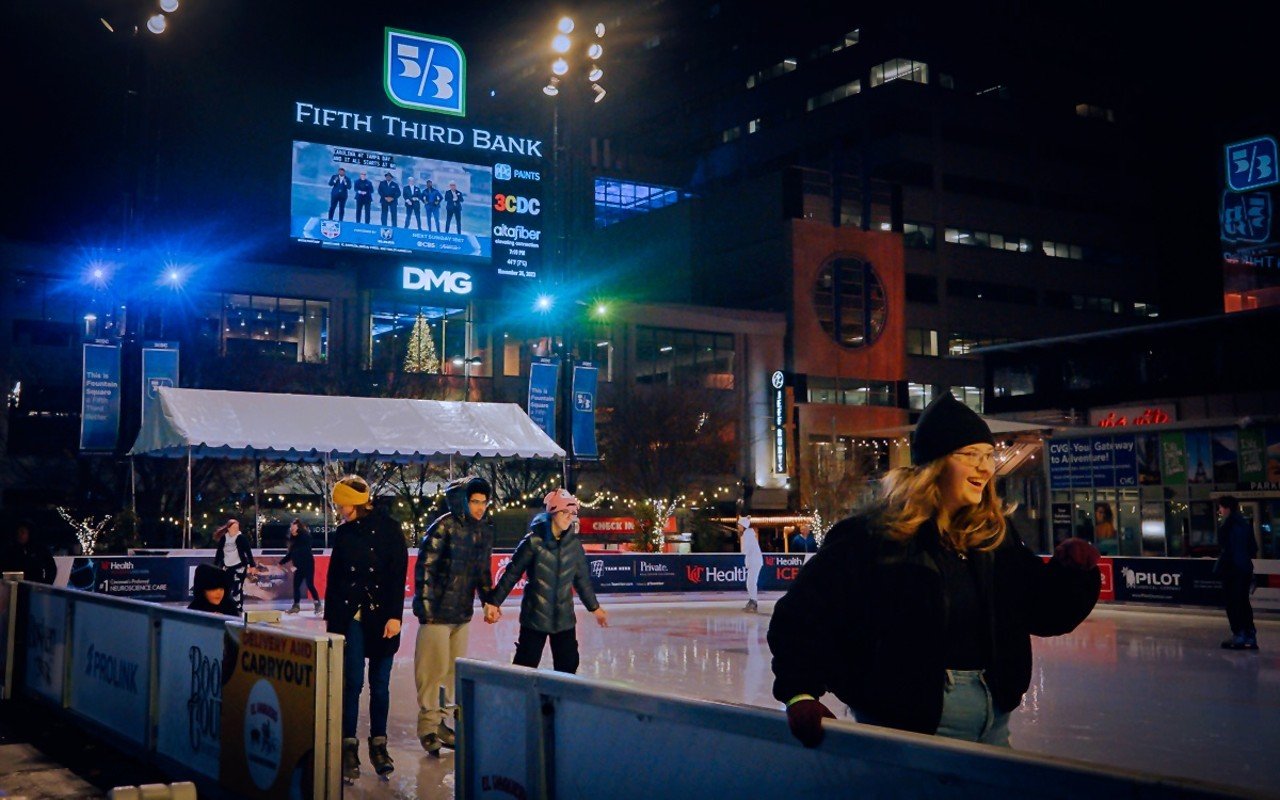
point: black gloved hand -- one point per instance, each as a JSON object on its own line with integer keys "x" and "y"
{"x": 804, "y": 717}
{"x": 1077, "y": 553}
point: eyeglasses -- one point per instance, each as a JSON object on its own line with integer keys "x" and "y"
{"x": 974, "y": 458}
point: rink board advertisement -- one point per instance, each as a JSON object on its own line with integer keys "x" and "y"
{"x": 268, "y": 715}
{"x": 189, "y": 724}
{"x": 109, "y": 678}
{"x": 46, "y": 632}
{"x": 1172, "y": 581}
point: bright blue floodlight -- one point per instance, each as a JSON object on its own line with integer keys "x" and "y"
{"x": 544, "y": 303}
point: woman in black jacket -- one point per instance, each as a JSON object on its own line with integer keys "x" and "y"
{"x": 368, "y": 567}
{"x": 209, "y": 591}
{"x": 917, "y": 613}
{"x": 304, "y": 565}
{"x": 551, "y": 555}
{"x": 234, "y": 555}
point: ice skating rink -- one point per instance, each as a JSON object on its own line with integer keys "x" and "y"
{"x": 1138, "y": 689}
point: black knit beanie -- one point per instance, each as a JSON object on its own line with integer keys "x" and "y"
{"x": 945, "y": 426}
{"x": 208, "y": 577}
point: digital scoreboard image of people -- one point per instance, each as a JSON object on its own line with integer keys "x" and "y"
{"x": 358, "y": 198}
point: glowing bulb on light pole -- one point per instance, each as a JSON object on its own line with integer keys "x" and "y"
{"x": 595, "y": 51}
{"x": 560, "y": 44}
{"x": 599, "y": 30}
{"x": 168, "y": 6}
{"x": 156, "y": 24}
{"x": 595, "y": 74}
{"x": 559, "y": 66}
{"x": 565, "y": 25}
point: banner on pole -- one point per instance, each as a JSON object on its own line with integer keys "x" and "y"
{"x": 544, "y": 380}
{"x": 585, "y": 377}
{"x": 159, "y": 369}
{"x": 100, "y": 396}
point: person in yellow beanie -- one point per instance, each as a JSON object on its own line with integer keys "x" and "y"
{"x": 365, "y": 603}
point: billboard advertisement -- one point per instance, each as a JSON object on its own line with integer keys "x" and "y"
{"x": 348, "y": 197}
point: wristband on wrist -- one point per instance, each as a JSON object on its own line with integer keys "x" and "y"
{"x": 798, "y": 698}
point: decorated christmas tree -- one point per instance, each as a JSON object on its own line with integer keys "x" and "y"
{"x": 422, "y": 348}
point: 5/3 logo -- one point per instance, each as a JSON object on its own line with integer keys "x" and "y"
{"x": 512, "y": 204}
{"x": 428, "y": 73}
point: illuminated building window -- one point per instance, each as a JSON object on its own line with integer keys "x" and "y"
{"x": 971, "y": 396}
{"x": 1074, "y": 252}
{"x": 827, "y": 48}
{"x": 284, "y": 328}
{"x": 617, "y": 200}
{"x": 922, "y": 342}
{"x": 754, "y": 125}
{"x": 919, "y": 395}
{"x": 731, "y": 134}
{"x": 996, "y": 241}
{"x": 849, "y": 301}
{"x": 899, "y": 69}
{"x": 777, "y": 70}
{"x": 845, "y": 392}
{"x": 834, "y": 95}
{"x": 684, "y": 357}
{"x": 917, "y": 235}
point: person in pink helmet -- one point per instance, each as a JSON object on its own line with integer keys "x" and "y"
{"x": 552, "y": 557}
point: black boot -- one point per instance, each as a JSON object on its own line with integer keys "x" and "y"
{"x": 350, "y": 759}
{"x": 379, "y": 757}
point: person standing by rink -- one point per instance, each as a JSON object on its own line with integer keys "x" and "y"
{"x": 31, "y": 558}
{"x": 365, "y": 602}
{"x": 754, "y": 560}
{"x": 234, "y": 555}
{"x": 917, "y": 611}
{"x": 551, "y": 555}
{"x": 452, "y": 568}
{"x": 304, "y": 565}
{"x": 209, "y": 591}
{"x": 1237, "y": 549}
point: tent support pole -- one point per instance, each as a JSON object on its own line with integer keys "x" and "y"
{"x": 324, "y": 500}
{"x": 257, "y": 502}
{"x": 133, "y": 488}
{"x": 186, "y": 525}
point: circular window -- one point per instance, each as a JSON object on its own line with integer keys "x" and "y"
{"x": 849, "y": 300}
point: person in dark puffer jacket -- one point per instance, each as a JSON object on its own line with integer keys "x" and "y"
{"x": 551, "y": 555}
{"x": 453, "y": 567}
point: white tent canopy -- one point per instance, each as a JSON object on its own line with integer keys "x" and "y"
{"x": 300, "y": 427}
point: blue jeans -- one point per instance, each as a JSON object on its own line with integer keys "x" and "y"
{"x": 967, "y": 712}
{"x": 353, "y": 682}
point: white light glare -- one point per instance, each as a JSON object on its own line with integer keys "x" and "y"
{"x": 595, "y": 74}
{"x": 550, "y": 91}
{"x": 168, "y": 6}
{"x": 595, "y": 51}
{"x": 599, "y": 30}
{"x": 599, "y": 90}
{"x": 544, "y": 302}
{"x": 156, "y": 24}
{"x": 560, "y": 44}
{"x": 559, "y": 66}
{"x": 565, "y": 25}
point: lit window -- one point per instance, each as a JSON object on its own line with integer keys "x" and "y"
{"x": 900, "y": 69}
{"x": 834, "y": 95}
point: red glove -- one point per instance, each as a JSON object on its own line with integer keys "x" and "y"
{"x": 805, "y": 720}
{"x": 1077, "y": 553}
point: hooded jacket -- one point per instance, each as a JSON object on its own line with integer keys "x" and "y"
{"x": 555, "y": 568}
{"x": 866, "y": 621}
{"x": 453, "y": 563}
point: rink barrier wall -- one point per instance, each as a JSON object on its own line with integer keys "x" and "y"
{"x": 245, "y": 710}
{"x": 536, "y": 733}
{"x": 1174, "y": 582}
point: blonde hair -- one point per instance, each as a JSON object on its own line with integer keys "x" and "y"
{"x": 911, "y": 496}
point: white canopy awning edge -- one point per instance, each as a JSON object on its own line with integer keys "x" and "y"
{"x": 226, "y": 424}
